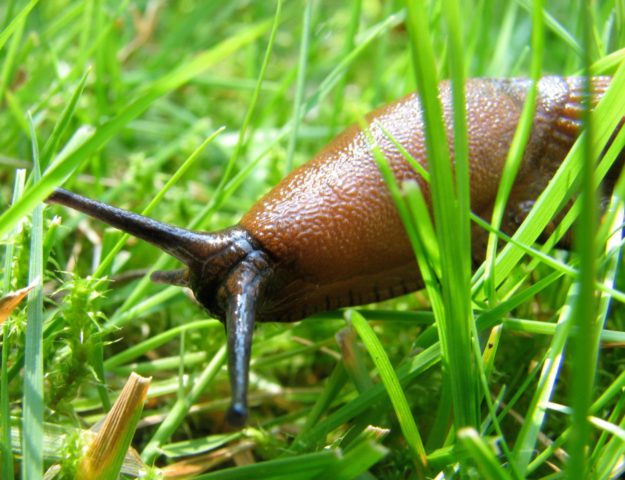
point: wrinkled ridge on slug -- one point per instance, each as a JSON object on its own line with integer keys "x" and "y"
{"x": 569, "y": 120}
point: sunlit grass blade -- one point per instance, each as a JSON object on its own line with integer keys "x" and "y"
{"x": 535, "y": 327}
{"x": 356, "y": 461}
{"x": 599, "y": 458}
{"x": 585, "y": 338}
{"x": 348, "y": 46}
{"x": 33, "y": 401}
{"x": 10, "y": 58}
{"x": 60, "y": 170}
{"x": 391, "y": 383}
{"x": 482, "y": 455}
{"x": 405, "y": 373}
{"x": 517, "y": 147}
{"x": 241, "y": 141}
{"x": 608, "y": 461}
{"x": 525, "y": 444}
{"x": 300, "y": 84}
{"x": 51, "y": 145}
{"x": 298, "y": 467}
{"x": 16, "y": 22}
{"x": 455, "y": 327}
{"x": 156, "y": 341}
{"x": 181, "y": 407}
{"x": 5, "y": 410}
{"x": 556, "y": 27}
{"x": 613, "y": 391}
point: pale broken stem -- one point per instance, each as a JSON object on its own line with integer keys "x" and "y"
{"x": 105, "y": 455}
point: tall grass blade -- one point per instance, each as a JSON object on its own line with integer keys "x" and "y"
{"x": 33, "y": 402}
{"x": 392, "y": 385}
{"x": 585, "y": 339}
{"x": 182, "y": 406}
{"x": 517, "y": 148}
{"x": 482, "y": 455}
{"x": 455, "y": 326}
{"x": 5, "y": 409}
{"x": 300, "y": 84}
{"x": 16, "y": 22}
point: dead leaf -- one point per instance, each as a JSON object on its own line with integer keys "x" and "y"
{"x": 12, "y": 300}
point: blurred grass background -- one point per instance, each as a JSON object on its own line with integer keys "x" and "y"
{"x": 138, "y": 86}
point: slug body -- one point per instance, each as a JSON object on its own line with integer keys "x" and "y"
{"x": 328, "y": 235}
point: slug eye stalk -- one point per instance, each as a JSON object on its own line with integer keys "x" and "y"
{"x": 226, "y": 270}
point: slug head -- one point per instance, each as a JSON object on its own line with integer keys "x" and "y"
{"x": 226, "y": 270}
{"x": 228, "y": 280}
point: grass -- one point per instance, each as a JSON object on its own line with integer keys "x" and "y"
{"x": 193, "y": 110}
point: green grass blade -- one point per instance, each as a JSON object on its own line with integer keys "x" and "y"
{"x": 64, "y": 165}
{"x": 5, "y": 411}
{"x": 455, "y": 326}
{"x": 9, "y": 64}
{"x": 585, "y": 341}
{"x": 182, "y": 406}
{"x": 16, "y": 22}
{"x": 405, "y": 373}
{"x": 60, "y": 170}
{"x": 348, "y": 46}
{"x": 525, "y": 444}
{"x": 300, "y": 84}
{"x": 482, "y": 455}
{"x": 452, "y": 13}
{"x": 536, "y": 327}
{"x": 156, "y": 341}
{"x": 51, "y": 145}
{"x": 33, "y": 402}
{"x": 517, "y": 148}
{"x": 391, "y": 383}
{"x": 610, "y": 454}
{"x": 226, "y": 177}
{"x": 299, "y": 467}
{"x": 356, "y": 461}
{"x": 555, "y": 26}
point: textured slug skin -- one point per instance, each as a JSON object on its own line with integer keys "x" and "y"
{"x": 332, "y": 228}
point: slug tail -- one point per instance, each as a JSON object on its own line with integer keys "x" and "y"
{"x": 187, "y": 246}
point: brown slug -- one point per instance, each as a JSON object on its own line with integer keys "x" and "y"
{"x": 328, "y": 235}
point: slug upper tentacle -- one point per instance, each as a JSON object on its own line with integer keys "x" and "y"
{"x": 328, "y": 235}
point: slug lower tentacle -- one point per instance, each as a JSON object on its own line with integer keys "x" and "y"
{"x": 328, "y": 235}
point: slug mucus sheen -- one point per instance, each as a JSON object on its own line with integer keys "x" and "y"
{"x": 328, "y": 235}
